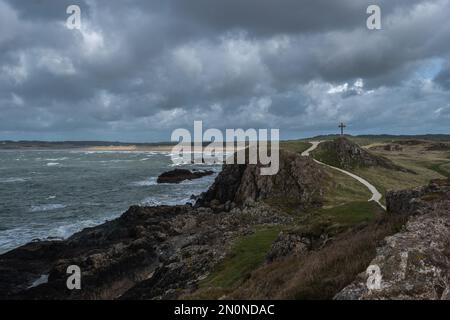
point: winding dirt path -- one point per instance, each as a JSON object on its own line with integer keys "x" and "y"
{"x": 376, "y": 195}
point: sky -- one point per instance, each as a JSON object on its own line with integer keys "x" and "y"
{"x": 138, "y": 69}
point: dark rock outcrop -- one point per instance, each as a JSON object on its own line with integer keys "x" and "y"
{"x": 179, "y": 175}
{"x": 147, "y": 253}
{"x": 392, "y": 147}
{"x": 441, "y": 146}
{"x": 299, "y": 180}
{"x": 414, "y": 263}
{"x": 288, "y": 244}
{"x": 411, "y": 142}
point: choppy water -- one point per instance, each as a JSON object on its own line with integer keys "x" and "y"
{"x": 57, "y": 193}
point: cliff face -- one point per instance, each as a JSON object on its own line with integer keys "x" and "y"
{"x": 159, "y": 252}
{"x": 414, "y": 263}
{"x": 299, "y": 180}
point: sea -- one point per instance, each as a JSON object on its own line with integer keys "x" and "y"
{"x": 54, "y": 194}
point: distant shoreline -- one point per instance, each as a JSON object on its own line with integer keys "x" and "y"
{"x": 161, "y": 148}
{"x": 112, "y": 148}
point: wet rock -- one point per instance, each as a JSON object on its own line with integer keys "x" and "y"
{"x": 179, "y": 175}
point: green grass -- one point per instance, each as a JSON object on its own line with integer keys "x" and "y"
{"x": 443, "y": 168}
{"x": 246, "y": 255}
{"x": 343, "y": 189}
{"x": 324, "y": 272}
{"x": 385, "y": 179}
{"x": 327, "y": 157}
{"x": 338, "y": 189}
{"x": 295, "y": 146}
{"x": 338, "y": 219}
{"x": 351, "y": 213}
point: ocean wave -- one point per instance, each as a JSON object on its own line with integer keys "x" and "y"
{"x": 137, "y": 152}
{"x": 12, "y": 238}
{"x": 57, "y": 159}
{"x": 150, "y": 202}
{"x": 145, "y": 183}
{"x": 12, "y": 180}
{"x": 47, "y": 207}
{"x": 53, "y": 164}
{"x": 41, "y": 280}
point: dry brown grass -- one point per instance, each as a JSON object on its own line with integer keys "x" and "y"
{"x": 321, "y": 274}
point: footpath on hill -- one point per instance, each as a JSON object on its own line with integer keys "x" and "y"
{"x": 376, "y": 195}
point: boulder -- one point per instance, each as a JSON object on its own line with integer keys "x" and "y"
{"x": 179, "y": 175}
{"x": 414, "y": 263}
{"x": 299, "y": 180}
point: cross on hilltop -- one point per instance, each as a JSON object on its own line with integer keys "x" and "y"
{"x": 342, "y": 126}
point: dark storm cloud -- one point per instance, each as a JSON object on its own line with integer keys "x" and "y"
{"x": 138, "y": 69}
{"x": 43, "y": 10}
{"x": 443, "y": 77}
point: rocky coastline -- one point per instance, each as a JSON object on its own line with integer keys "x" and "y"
{"x": 160, "y": 252}
{"x": 164, "y": 252}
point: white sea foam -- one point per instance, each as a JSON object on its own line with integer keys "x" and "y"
{"x": 15, "y": 237}
{"x": 12, "y": 180}
{"x": 57, "y": 159}
{"x": 41, "y": 280}
{"x": 67, "y": 230}
{"x": 170, "y": 201}
{"x": 47, "y": 207}
{"x": 151, "y": 202}
{"x": 52, "y": 164}
{"x": 145, "y": 183}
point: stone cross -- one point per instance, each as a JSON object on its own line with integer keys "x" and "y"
{"x": 342, "y": 126}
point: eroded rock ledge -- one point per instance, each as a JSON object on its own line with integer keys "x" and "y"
{"x": 414, "y": 263}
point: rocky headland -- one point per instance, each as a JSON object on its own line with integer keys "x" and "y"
{"x": 161, "y": 252}
{"x": 165, "y": 252}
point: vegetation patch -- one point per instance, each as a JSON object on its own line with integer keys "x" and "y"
{"x": 332, "y": 221}
{"x": 440, "y": 167}
{"x": 246, "y": 255}
{"x": 295, "y": 146}
{"x": 323, "y": 273}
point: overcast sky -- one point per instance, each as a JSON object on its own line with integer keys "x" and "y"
{"x": 139, "y": 69}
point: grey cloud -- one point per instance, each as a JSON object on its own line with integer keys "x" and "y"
{"x": 443, "y": 77}
{"x": 141, "y": 66}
